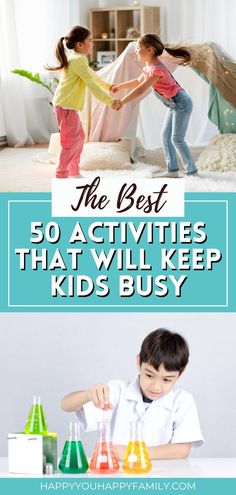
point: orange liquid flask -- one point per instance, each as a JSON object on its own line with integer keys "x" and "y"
{"x": 104, "y": 459}
{"x": 136, "y": 458}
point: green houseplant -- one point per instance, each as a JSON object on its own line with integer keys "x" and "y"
{"x": 49, "y": 85}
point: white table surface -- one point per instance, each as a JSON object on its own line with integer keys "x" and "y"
{"x": 179, "y": 468}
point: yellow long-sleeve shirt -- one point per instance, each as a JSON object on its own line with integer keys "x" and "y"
{"x": 70, "y": 92}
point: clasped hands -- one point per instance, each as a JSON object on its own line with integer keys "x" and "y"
{"x": 117, "y": 104}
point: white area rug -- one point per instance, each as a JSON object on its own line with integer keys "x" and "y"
{"x": 219, "y": 155}
{"x": 21, "y": 172}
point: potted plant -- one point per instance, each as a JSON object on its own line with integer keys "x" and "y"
{"x": 112, "y": 32}
{"x": 49, "y": 85}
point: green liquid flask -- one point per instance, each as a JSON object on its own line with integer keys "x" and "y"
{"x": 36, "y": 422}
{"x": 73, "y": 459}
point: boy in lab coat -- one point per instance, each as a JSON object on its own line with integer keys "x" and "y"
{"x": 169, "y": 415}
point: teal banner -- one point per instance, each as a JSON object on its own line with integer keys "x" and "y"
{"x": 65, "y": 486}
{"x": 106, "y": 264}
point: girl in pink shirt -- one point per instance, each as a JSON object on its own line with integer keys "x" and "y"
{"x": 156, "y": 76}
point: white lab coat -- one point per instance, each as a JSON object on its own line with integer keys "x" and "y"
{"x": 171, "y": 419}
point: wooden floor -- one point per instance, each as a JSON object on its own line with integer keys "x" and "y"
{"x": 32, "y": 146}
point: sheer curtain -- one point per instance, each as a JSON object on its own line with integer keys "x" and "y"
{"x": 28, "y": 33}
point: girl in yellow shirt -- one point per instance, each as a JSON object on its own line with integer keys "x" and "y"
{"x": 70, "y": 94}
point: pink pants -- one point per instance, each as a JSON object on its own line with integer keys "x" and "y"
{"x": 72, "y": 141}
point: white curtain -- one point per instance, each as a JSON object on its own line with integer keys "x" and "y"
{"x": 29, "y": 30}
{"x": 201, "y": 20}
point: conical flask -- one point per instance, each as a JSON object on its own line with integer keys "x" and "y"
{"x": 73, "y": 459}
{"x": 36, "y": 422}
{"x": 104, "y": 459}
{"x": 136, "y": 458}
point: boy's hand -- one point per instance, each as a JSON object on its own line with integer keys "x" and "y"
{"x": 99, "y": 396}
{"x": 114, "y": 88}
{"x": 116, "y": 105}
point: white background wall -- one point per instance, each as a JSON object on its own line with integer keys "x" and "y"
{"x": 2, "y": 126}
{"x": 53, "y": 354}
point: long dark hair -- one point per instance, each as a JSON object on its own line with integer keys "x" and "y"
{"x": 154, "y": 41}
{"x": 76, "y": 34}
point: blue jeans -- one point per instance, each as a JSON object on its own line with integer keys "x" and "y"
{"x": 174, "y": 130}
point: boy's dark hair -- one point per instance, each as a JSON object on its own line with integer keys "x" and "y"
{"x": 165, "y": 347}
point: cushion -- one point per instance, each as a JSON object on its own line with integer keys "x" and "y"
{"x": 97, "y": 155}
{"x": 54, "y": 146}
{"x": 219, "y": 155}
